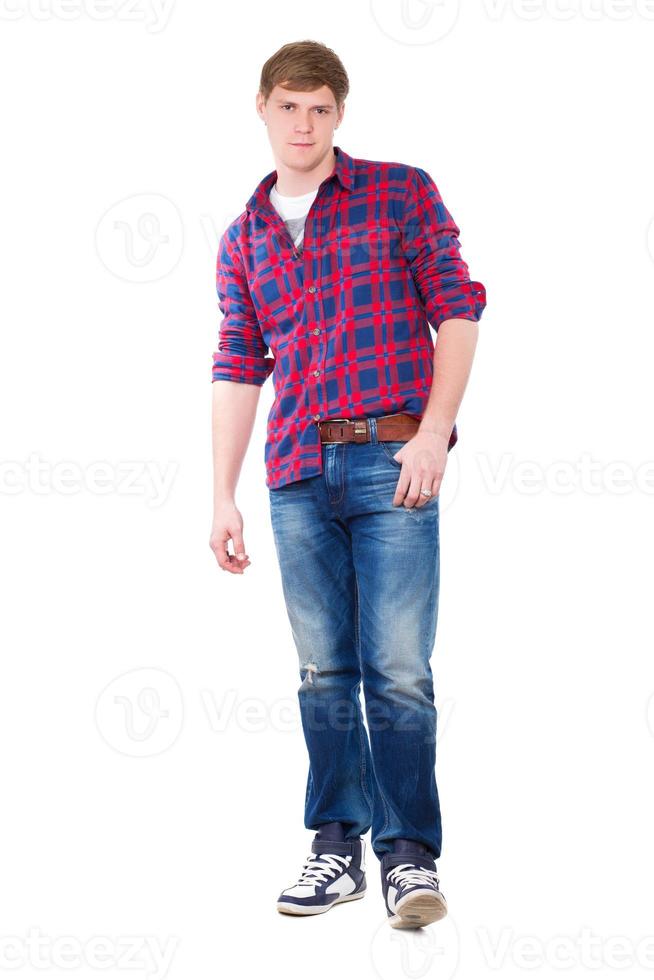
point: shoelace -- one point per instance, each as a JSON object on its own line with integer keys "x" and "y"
{"x": 320, "y": 867}
{"x": 412, "y": 874}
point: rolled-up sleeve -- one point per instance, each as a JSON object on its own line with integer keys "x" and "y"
{"x": 241, "y": 354}
{"x": 431, "y": 245}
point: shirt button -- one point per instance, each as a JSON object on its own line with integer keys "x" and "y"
{"x": 316, "y": 373}
{"x": 316, "y": 330}
{"x": 312, "y": 289}
{"x": 316, "y": 418}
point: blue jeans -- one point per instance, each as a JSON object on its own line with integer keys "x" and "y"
{"x": 360, "y": 579}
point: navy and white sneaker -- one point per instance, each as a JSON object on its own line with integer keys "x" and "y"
{"x": 333, "y": 872}
{"x": 410, "y": 885}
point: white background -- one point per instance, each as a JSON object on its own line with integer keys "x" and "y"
{"x": 153, "y": 764}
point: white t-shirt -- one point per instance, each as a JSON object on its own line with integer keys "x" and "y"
{"x": 293, "y": 211}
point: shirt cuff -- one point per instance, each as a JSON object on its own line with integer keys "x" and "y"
{"x": 241, "y": 367}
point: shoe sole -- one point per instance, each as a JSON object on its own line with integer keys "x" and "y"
{"x": 316, "y": 909}
{"x": 419, "y": 909}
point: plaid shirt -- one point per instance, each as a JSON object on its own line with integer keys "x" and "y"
{"x": 346, "y": 319}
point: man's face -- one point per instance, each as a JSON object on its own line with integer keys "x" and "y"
{"x": 300, "y": 125}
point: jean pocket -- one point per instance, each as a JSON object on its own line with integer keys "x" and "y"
{"x": 388, "y": 448}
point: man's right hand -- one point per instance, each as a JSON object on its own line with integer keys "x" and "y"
{"x": 228, "y": 524}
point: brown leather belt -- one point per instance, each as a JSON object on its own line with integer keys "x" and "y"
{"x": 398, "y": 427}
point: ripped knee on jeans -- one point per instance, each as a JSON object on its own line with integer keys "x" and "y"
{"x": 311, "y": 669}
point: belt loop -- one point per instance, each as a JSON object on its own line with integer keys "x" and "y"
{"x": 372, "y": 422}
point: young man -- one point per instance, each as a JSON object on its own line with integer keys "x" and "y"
{"x": 338, "y": 267}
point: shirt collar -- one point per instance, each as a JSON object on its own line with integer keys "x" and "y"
{"x": 343, "y": 171}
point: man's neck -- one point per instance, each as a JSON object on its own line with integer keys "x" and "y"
{"x": 294, "y": 183}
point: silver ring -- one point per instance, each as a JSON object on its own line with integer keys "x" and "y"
{"x": 426, "y": 493}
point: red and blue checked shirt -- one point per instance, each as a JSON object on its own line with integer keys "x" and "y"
{"x": 342, "y": 325}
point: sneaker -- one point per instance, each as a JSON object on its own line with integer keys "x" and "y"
{"x": 333, "y": 872}
{"x": 410, "y": 885}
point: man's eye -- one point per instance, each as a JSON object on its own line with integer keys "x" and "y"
{"x": 320, "y": 110}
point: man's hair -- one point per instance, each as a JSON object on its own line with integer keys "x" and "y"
{"x": 303, "y": 66}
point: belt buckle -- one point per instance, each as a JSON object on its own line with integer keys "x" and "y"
{"x": 329, "y": 421}
{"x": 361, "y": 428}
